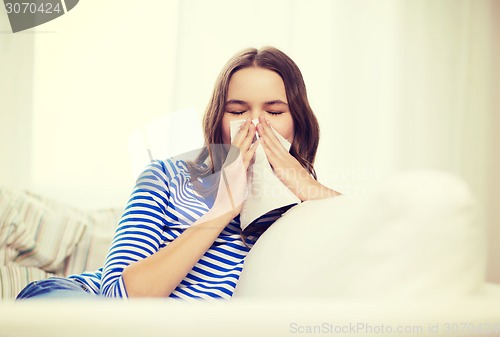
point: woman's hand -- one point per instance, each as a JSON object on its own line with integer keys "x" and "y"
{"x": 232, "y": 189}
{"x": 243, "y": 140}
{"x": 287, "y": 168}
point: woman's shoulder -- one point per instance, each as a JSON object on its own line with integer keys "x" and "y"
{"x": 163, "y": 171}
{"x": 172, "y": 167}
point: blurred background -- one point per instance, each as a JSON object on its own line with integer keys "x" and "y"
{"x": 396, "y": 85}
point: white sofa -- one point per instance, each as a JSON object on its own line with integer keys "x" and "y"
{"x": 417, "y": 235}
{"x": 410, "y": 253}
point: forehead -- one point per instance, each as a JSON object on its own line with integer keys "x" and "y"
{"x": 256, "y": 85}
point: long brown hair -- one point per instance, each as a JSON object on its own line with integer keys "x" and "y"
{"x": 306, "y": 128}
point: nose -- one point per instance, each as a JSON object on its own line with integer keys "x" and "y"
{"x": 256, "y": 113}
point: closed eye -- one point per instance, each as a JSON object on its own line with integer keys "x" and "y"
{"x": 236, "y": 112}
{"x": 275, "y": 112}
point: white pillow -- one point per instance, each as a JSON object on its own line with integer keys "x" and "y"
{"x": 417, "y": 235}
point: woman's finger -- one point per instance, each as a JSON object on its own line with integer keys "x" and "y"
{"x": 241, "y": 133}
{"x": 249, "y": 155}
{"x": 247, "y": 141}
{"x": 271, "y": 157}
{"x": 267, "y": 134}
{"x": 272, "y": 150}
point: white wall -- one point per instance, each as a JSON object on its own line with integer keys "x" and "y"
{"x": 493, "y": 198}
{"x": 106, "y": 68}
{"x": 16, "y": 100}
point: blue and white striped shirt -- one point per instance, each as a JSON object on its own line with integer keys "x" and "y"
{"x": 162, "y": 205}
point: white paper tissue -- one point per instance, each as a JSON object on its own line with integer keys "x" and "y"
{"x": 266, "y": 192}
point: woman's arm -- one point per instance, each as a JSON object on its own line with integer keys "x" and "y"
{"x": 159, "y": 274}
{"x": 135, "y": 264}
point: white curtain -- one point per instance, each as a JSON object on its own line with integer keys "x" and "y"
{"x": 395, "y": 85}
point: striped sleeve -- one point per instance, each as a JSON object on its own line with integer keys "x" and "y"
{"x": 141, "y": 230}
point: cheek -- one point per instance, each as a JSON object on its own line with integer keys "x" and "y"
{"x": 284, "y": 128}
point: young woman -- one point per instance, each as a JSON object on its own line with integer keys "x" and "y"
{"x": 174, "y": 240}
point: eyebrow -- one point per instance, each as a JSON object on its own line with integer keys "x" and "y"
{"x": 238, "y": 101}
{"x": 276, "y": 101}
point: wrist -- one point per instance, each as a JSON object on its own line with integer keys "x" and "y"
{"x": 314, "y": 190}
{"x": 216, "y": 217}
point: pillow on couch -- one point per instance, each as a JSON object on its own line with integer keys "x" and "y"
{"x": 38, "y": 233}
{"x": 417, "y": 235}
{"x": 40, "y": 237}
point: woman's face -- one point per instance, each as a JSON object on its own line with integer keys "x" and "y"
{"x": 253, "y": 92}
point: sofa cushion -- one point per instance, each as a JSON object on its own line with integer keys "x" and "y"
{"x": 416, "y": 235}
{"x": 40, "y": 236}
{"x": 42, "y": 233}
